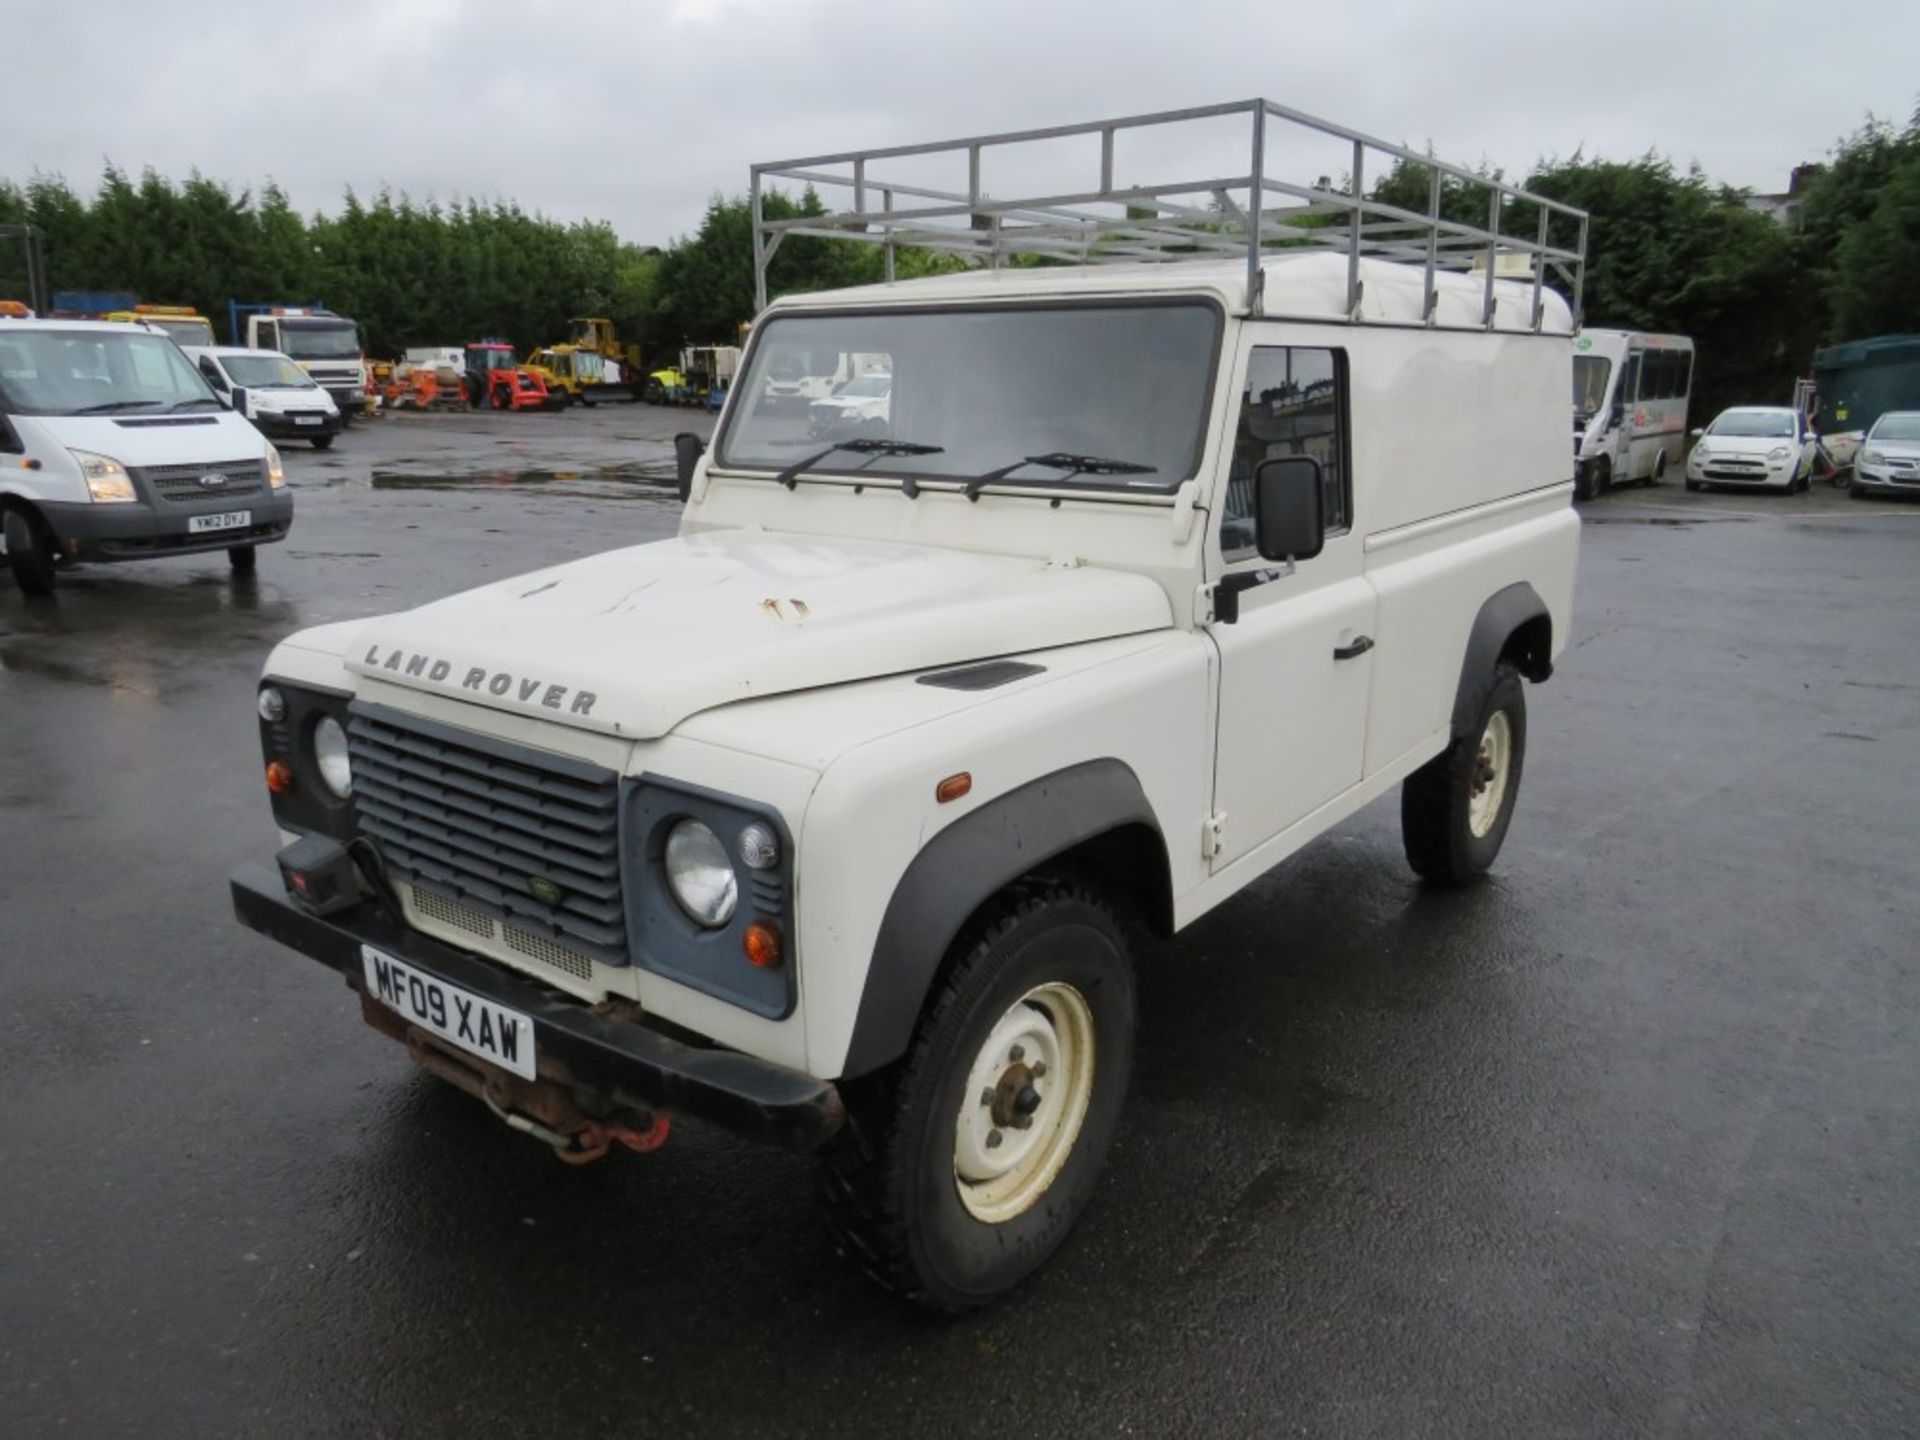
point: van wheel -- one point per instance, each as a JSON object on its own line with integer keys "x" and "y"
{"x": 1454, "y": 810}
{"x": 30, "y": 550}
{"x": 244, "y": 559}
{"x": 323, "y": 442}
{"x": 963, "y": 1168}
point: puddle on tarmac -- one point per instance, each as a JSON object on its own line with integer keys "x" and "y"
{"x": 635, "y": 480}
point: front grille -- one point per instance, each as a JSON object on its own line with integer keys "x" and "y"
{"x": 187, "y": 482}
{"x": 484, "y": 824}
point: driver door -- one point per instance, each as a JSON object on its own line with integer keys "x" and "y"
{"x": 1296, "y": 666}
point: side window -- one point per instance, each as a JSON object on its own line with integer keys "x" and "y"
{"x": 1630, "y": 379}
{"x": 1295, "y": 403}
{"x": 212, "y": 372}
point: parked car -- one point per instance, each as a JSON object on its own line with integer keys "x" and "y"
{"x": 1769, "y": 447}
{"x": 1889, "y": 458}
{"x": 282, "y": 400}
{"x": 113, "y": 447}
{"x": 861, "y": 403}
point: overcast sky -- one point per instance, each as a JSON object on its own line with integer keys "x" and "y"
{"x": 635, "y": 111}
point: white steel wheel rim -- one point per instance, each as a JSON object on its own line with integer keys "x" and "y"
{"x": 1043, "y": 1044}
{"x": 1492, "y": 763}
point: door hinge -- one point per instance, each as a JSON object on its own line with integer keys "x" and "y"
{"x": 1213, "y": 836}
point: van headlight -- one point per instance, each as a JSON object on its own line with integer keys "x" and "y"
{"x": 331, "y": 759}
{"x": 700, "y": 875}
{"x": 276, "y": 472}
{"x": 1871, "y": 457}
{"x": 107, "y": 479}
{"x": 1779, "y": 452}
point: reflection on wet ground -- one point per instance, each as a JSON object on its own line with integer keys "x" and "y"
{"x": 636, "y": 480}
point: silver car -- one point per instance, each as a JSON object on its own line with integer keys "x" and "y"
{"x": 1889, "y": 458}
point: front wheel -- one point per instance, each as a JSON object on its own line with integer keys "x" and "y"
{"x": 30, "y": 550}
{"x": 244, "y": 559}
{"x": 323, "y": 442}
{"x": 1694, "y": 486}
{"x": 959, "y": 1173}
{"x": 1454, "y": 810}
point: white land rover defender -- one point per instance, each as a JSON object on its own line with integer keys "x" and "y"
{"x": 829, "y": 819}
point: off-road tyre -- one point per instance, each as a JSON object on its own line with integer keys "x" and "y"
{"x": 1437, "y": 806}
{"x": 890, "y": 1179}
{"x": 245, "y": 559}
{"x": 500, "y": 397}
{"x": 31, "y": 553}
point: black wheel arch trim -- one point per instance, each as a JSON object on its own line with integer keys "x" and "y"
{"x": 962, "y": 867}
{"x": 1516, "y": 611}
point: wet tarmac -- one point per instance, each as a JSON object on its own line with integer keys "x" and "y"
{"x": 1622, "y": 1142}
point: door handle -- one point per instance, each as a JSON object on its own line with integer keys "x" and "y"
{"x": 1352, "y": 652}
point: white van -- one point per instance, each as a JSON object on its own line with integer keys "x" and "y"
{"x": 114, "y": 448}
{"x": 282, "y": 400}
{"x": 1630, "y": 395}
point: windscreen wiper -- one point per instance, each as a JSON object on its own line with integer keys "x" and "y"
{"x": 1059, "y": 460}
{"x": 179, "y": 405}
{"x": 109, "y": 406}
{"x": 790, "y": 477}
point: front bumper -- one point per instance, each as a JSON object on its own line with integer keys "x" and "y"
{"x": 351, "y": 400}
{"x": 623, "y": 1061}
{"x": 287, "y": 427}
{"x": 1883, "y": 477}
{"x": 144, "y": 530}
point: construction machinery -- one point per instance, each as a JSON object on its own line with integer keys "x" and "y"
{"x": 582, "y": 374}
{"x": 599, "y": 334}
{"x": 496, "y": 379}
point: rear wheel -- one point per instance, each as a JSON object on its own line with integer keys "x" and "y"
{"x": 962, "y": 1170}
{"x": 501, "y": 398}
{"x": 1659, "y": 469}
{"x": 1454, "y": 810}
{"x": 31, "y": 552}
{"x": 244, "y": 559}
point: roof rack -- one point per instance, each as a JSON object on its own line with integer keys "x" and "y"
{"x": 1243, "y": 211}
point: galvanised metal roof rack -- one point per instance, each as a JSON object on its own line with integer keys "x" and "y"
{"x": 1245, "y": 209}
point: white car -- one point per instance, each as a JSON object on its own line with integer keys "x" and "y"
{"x": 862, "y": 403}
{"x": 1770, "y": 447}
{"x": 1889, "y": 457}
{"x": 281, "y": 399}
{"x": 830, "y": 820}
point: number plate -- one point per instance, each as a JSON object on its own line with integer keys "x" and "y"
{"x": 457, "y": 1016}
{"x": 306, "y": 419}
{"x": 232, "y": 520}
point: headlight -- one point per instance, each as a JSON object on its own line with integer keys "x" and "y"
{"x": 1779, "y": 452}
{"x": 276, "y": 474}
{"x": 271, "y": 704}
{"x": 700, "y": 875}
{"x": 107, "y": 479}
{"x": 330, "y": 754}
{"x": 1872, "y": 457}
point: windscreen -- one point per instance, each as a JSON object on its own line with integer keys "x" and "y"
{"x": 266, "y": 371}
{"x": 1590, "y": 376}
{"x": 320, "y": 340}
{"x": 1898, "y": 427}
{"x": 96, "y": 372}
{"x": 186, "y": 332}
{"x": 981, "y": 391}
{"x": 1754, "y": 424}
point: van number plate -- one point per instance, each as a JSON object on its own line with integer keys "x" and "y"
{"x": 457, "y": 1016}
{"x": 232, "y": 520}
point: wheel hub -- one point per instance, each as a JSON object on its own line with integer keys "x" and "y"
{"x": 1027, "y": 1093}
{"x": 1492, "y": 764}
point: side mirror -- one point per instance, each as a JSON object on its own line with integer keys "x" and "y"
{"x": 1289, "y": 523}
{"x": 237, "y": 401}
{"x": 1697, "y": 431}
{"x": 687, "y": 450}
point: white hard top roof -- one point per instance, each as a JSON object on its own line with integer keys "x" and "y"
{"x": 1310, "y": 285}
{"x": 107, "y": 327}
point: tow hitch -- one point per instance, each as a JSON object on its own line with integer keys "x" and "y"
{"x": 545, "y": 1108}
